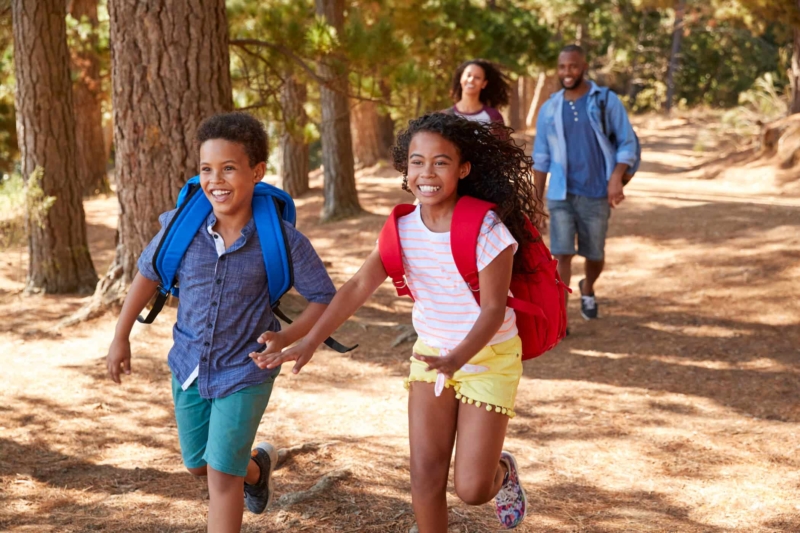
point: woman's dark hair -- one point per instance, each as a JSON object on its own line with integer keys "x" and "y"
{"x": 236, "y": 127}
{"x": 500, "y": 173}
{"x": 497, "y": 89}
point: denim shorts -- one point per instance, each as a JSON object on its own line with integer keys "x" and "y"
{"x": 219, "y": 432}
{"x": 581, "y": 216}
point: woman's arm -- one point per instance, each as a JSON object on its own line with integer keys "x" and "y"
{"x": 495, "y": 281}
{"x": 348, "y": 299}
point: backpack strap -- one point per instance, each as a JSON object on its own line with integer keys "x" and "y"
{"x": 391, "y": 252}
{"x": 274, "y": 247}
{"x": 468, "y": 219}
{"x": 179, "y": 234}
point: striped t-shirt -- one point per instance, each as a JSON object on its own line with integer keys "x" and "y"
{"x": 444, "y": 308}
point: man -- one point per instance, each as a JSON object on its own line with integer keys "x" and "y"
{"x": 586, "y": 169}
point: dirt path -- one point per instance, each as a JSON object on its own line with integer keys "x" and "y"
{"x": 678, "y": 411}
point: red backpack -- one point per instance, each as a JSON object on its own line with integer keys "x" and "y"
{"x": 537, "y": 288}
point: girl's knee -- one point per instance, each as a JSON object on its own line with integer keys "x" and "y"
{"x": 200, "y": 471}
{"x": 475, "y": 492}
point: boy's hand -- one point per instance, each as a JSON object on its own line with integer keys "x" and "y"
{"x": 274, "y": 341}
{"x": 118, "y": 359}
{"x": 301, "y": 354}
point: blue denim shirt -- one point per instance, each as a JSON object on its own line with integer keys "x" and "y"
{"x": 224, "y": 305}
{"x": 550, "y": 146}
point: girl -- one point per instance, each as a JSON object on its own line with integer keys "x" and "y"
{"x": 476, "y": 347}
{"x": 479, "y": 88}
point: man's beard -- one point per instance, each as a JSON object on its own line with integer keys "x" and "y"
{"x": 575, "y": 84}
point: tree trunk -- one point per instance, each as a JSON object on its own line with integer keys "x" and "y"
{"x": 369, "y": 145}
{"x": 795, "y": 106}
{"x": 59, "y": 260}
{"x": 294, "y": 148}
{"x": 88, "y": 94}
{"x": 385, "y": 119}
{"x": 515, "y": 105}
{"x": 677, "y": 34}
{"x": 170, "y": 70}
{"x": 341, "y": 197}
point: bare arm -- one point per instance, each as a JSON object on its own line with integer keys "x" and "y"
{"x": 119, "y": 353}
{"x": 539, "y": 181}
{"x": 348, "y": 299}
{"x": 495, "y": 281}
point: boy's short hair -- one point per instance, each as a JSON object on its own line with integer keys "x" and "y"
{"x": 237, "y": 127}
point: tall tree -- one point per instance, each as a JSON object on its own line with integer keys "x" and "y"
{"x": 294, "y": 147}
{"x": 59, "y": 260}
{"x": 368, "y": 130}
{"x": 88, "y": 94}
{"x": 170, "y": 70}
{"x": 677, "y": 34}
{"x": 341, "y": 197}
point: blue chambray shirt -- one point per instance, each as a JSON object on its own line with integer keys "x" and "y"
{"x": 224, "y": 305}
{"x": 550, "y": 145}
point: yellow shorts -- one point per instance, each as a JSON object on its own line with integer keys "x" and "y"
{"x": 493, "y": 390}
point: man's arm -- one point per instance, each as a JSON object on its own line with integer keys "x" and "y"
{"x": 541, "y": 155}
{"x": 621, "y": 126}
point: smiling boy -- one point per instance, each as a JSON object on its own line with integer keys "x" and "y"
{"x": 224, "y": 315}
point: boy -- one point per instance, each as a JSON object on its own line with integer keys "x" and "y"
{"x": 219, "y": 393}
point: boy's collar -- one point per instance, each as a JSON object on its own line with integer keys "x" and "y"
{"x": 247, "y": 230}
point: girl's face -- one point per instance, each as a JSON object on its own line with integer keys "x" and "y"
{"x": 226, "y": 176}
{"x": 434, "y": 169}
{"x": 473, "y": 80}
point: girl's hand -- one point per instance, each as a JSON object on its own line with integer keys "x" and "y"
{"x": 119, "y": 358}
{"x": 301, "y": 354}
{"x": 448, "y": 365}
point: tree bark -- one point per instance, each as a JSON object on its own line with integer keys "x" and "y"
{"x": 59, "y": 260}
{"x": 341, "y": 197}
{"x": 294, "y": 148}
{"x": 87, "y": 91}
{"x": 385, "y": 120}
{"x": 677, "y": 34}
{"x": 795, "y": 105}
{"x": 515, "y": 105}
{"x": 170, "y": 70}
{"x": 369, "y": 144}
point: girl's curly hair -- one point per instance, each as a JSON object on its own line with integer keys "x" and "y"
{"x": 497, "y": 89}
{"x": 500, "y": 173}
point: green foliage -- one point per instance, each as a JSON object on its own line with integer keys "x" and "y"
{"x": 18, "y": 198}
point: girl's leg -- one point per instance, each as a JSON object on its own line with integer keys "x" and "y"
{"x": 432, "y": 429}
{"x": 225, "y": 502}
{"x": 478, "y": 471}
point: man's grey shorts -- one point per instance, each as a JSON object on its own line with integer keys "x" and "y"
{"x": 582, "y": 216}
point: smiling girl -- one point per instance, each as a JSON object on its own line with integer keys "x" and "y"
{"x": 475, "y": 347}
{"x": 479, "y": 89}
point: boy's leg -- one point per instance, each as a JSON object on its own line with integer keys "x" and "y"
{"x": 232, "y": 430}
{"x": 192, "y": 416}
{"x": 432, "y": 430}
{"x": 479, "y": 472}
{"x": 225, "y": 502}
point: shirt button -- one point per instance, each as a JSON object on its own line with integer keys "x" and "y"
{"x": 213, "y": 304}
{"x": 204, "y": 358}
{"x": 216, "y": 236}
{"x": 219, "y": 281}
{"x": 208, "y": 325}
{"x": 222, "y": 257}
{"x": 206, "y": 344}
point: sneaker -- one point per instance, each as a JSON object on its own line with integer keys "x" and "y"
{"x": 588, "y": 304}
{"x": 258, "y": 496}
{"x": 511, "y": 504}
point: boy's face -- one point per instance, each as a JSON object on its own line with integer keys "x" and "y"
{"x": 434, "y": 168}
{"x": 226, "y": 176}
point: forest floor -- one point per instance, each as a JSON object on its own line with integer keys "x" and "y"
{"x": 677, "y": 411}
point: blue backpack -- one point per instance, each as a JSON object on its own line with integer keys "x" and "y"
{"x": 612, "y": 136}
{"x": 271, "y": 206}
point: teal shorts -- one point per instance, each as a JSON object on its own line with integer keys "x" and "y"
{"x": 219, "y": 432}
